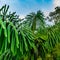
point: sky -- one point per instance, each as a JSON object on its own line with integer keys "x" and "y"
{"x": 24, "y": 7}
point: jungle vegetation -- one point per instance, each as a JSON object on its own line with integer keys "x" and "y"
{"x": 29, "y": 38}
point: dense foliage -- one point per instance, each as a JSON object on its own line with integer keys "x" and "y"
{"x": 29, "y": 38}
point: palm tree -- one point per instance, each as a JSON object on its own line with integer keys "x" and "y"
{"x": 35, "y": 19}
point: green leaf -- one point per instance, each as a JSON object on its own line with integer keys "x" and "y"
{"x": 8, "y": 32}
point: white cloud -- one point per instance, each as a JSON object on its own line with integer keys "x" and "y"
{"x": 21, "y": 16}
{"x": 46, "y": 13}
{"x": 56, "y": 3}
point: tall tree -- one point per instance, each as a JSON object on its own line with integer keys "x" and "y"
{"x": 35, "y": 19}
{"x": 55, "y": 15}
